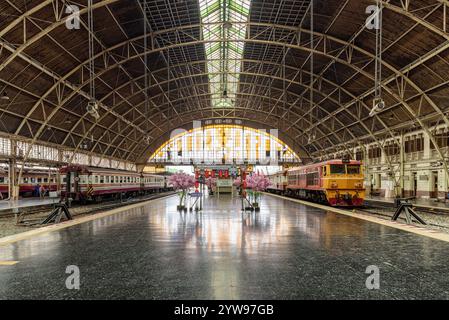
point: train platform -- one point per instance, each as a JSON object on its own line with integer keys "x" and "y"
{"x": 288, "y": 250}
{"x": 420, "y": 203}
{"x": 26, "y": 203}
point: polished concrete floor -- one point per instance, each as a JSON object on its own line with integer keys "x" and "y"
{"x": 287, "y": 251}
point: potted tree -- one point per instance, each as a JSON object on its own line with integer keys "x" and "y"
{"x": 181, "y": 182}
{"x": 238, "y": 184}
{"x": 256, "y": 184}
{"x": 211, "y": 183}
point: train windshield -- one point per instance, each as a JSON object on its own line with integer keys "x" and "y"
{"x": 353, "y": 169}
{"x": 338, "y": 169}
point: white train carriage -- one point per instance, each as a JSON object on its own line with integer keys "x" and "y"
{"x": 278, "y": 181}
{"x": 152, "y": 183}
{"x": 82, "y": 183}
{"x": 89, "y": 183}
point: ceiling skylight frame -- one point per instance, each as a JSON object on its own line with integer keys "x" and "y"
{"x": 224, "y": 30}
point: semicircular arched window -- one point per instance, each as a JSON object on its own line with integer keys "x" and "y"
{"x": 225, "y": 144}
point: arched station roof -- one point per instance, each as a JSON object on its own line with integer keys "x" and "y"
{"x": 44, "y": 70}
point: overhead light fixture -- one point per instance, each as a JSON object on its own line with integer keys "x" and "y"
{"x": 92, "y": 109}
{"x": 4, "y": 96}
{"x": 311, "y": 138}
{"x": 378, "y": 106}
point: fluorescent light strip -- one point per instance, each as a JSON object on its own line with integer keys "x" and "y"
{"x": 224, "y": 30}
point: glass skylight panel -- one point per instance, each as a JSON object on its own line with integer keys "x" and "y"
{"x": 224, "y": 29}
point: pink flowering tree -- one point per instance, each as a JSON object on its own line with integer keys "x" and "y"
{"x": 211, "y": 183}
{"x": 181, "y": 182}
{"x": 237, "y": 182}
{"x": 257, "y": 183}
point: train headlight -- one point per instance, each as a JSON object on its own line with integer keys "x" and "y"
{"x": 334, "y": 185}
{"x": 358, "y": 185}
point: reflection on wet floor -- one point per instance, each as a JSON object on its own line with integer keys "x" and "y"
{"x": 286, "y": 251}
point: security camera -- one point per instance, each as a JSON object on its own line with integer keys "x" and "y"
{"x": 378, "y": 106}
{"x": 92, "y": 109}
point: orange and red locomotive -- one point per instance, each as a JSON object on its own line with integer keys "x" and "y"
{"x": 333, "y": 182}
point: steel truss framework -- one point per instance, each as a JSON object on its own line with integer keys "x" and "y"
{"x": 343, "y": 81}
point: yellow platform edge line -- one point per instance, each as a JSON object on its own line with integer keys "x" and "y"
{"x": 28, "y": 234}
{"x": 8, "y": 263}
{"x": 422, "y": 231}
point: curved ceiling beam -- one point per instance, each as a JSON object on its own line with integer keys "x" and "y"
{"x": 113, "y": 1}
{"x": 19, "y": 52}
{"x": 20, "y": 19}
{"x": 297, "y": 47}
{"x": 337, "y": 87}
{"x": 275, "y": 100}
{"x": 136, "y": 106}
{"x": 300, "y": 82}
{"x": 203, "y": 110}
{"x": 339, "y": 60}
{"x": 323, "y": 36}
{"x": 255, "y": 74}
{"x": 70, "y": 132}
{"x": 409, "y": 14}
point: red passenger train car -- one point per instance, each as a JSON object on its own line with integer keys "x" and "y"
{"x": 30, "y": 182}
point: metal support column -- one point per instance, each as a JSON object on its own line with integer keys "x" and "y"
{"x": 13, "y": 185}
{"x": 401, "y": 163}
{"x": 366, "y": 167}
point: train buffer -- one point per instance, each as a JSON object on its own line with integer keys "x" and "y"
{"x": 58, "y": 212}
{"x": 402, "y": 205}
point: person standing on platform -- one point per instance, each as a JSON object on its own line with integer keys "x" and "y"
{"x": 37, "y": 189}
{"x": 42, "y": 192}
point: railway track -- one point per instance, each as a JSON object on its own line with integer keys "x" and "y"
{"x": 387, "y": 211}
{"x": 32, "y": 218}
{"x": 434, "y": 217}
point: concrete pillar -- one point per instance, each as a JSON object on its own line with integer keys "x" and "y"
{"x": 442, "y": 183}
{"x": 383, "y": 157}
{"x": 427, "y": 151}
{"x": 425, "y": 185}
